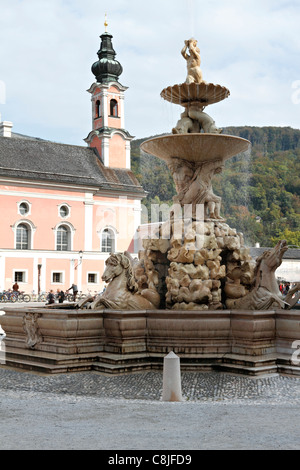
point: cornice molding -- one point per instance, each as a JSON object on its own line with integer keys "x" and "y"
{"x": 106, "y": 86}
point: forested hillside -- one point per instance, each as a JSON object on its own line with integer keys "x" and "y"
{"x": 260, "y": 191}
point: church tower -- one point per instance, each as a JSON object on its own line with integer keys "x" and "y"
{"x": 108, "y": 133}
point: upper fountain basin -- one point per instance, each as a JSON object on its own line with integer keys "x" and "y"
{"x": 204, "y": 93}
{"x": 196, "y": 147}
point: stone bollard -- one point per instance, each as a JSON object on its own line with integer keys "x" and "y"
{"x": 171, "y": 378}
{"x": 2, "y": 349}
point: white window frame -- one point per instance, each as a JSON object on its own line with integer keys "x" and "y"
{"x": 62, "y": 273}
{"x": 25, "y": 271}
{"x": 72, "y": 233}
{"x": 114, "y": 231}
{"x": 69, "y": 210}
{"x": 31, "y": 230}
{"x": 97, "y": 278}
{"x": 24, "y": 201}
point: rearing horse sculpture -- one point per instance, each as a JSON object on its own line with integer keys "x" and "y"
{"x": 265, "y": 293}
{"x": 121, "y": 292}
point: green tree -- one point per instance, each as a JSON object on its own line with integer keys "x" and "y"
{"x": 292, "y": 238}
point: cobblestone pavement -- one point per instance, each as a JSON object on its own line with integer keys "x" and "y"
{"x": 212, "y": 386}
{"x": 93, "y": 411}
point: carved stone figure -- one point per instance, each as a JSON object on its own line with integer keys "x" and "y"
{"x": 122, "y": 290}
{"x": 31, "y": 328}
{"x": 194, "y": 73}
{"x": 186, "y": 125}
{"x": 193, "y": 184}
{"x": 265, "y": 293}
{"x": 193, "y": 120}
{"x": 196, "y": 113}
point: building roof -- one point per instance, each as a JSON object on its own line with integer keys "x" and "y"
{"x": 35, "y": 159}
{"x": 290, "y": 254}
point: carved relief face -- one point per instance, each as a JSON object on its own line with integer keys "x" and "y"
{"x": 219, "y": 169}
{"x": 182, "y": 176}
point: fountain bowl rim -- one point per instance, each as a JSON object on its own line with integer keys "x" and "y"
{"x": 204, "y": 93}
{"x": 195, "y": 147}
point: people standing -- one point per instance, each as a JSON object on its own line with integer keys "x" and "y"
{"x": 50, "y": 298}
{"x": 286, "y": 288}
{"x": 75, "y": 291}
{"x": 60, "y": 296}
{"x": 15, "y": 287}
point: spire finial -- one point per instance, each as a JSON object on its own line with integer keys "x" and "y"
{"x": 105, "y": 22}
{"x": 107, "y": 68}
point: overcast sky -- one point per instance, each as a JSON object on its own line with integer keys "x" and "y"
{"x": 48, "y": 46}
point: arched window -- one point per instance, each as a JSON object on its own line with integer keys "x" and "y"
{"x": 97, "y": 109}
{"x": 22, "y": 237}
{"x": 108, "y": 241}
{"x": 63, "y": 238}
{"x": 114, "y": 108}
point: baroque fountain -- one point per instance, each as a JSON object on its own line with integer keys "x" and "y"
{"x": 194, "y": 290}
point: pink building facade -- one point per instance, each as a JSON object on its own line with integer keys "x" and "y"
{"x": 65, "y": 208}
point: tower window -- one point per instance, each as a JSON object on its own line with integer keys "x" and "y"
{"x": 97, "y": 109}
{"x": 114, "y": 108}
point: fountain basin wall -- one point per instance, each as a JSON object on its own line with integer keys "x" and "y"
{"x": 64, "y": 340}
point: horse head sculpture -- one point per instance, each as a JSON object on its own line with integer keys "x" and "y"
{"x": 273, "y": 258}
{"x": 122, "y": 291}
{"x": 114, "y": 267}
{"x": 265, "y": 293}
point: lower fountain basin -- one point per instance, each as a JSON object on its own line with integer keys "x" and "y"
{"x": 196, "y": 147}
{"x": 52, "y": 341}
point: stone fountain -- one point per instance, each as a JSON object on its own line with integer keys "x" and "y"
{"x": 210, "y": 267}
{"x": 194, "y": 290}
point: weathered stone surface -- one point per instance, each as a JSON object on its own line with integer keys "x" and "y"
{"x": 249, "y": 342}
{"x": 192, "y": 264}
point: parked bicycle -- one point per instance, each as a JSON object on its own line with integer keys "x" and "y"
{"x": 80, "y": 296}
{"x": 22, "y": 297}
{"x": 42, "y": 297}
{"x": 8, "y": 296}
{"x": 3, "y": 297}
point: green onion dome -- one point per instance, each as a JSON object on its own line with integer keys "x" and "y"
{"x": 106, "y": 69}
